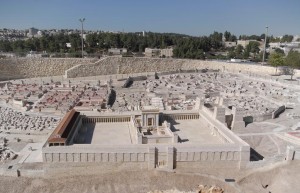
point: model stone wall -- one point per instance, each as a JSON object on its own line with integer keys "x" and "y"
{"x": 229, "y": 155}
{"x": 37, "y": 67}
{"x": 103, "y": 67}
{"x": 13, "y": 68}
{"x": 94, "y": 153}
{"x": 120, "y": 65}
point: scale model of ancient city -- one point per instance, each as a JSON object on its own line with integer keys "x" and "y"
{"x": 145, "y": 114}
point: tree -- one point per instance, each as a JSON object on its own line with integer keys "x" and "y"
{"x": 231, "y": 53}
{"x": 276, "y": 59}
{"x": 278, "y": 50}
{"x": 239, "y": 51}
{"x": 276, "y": 39}
{"x": 232, "y": 38}
{"x": 261, "y": 55}
{"x": 216, "y": 40}
{"x": 287, "y": 38}
{"x": 293, "y": 61}
{"x": 5, "y": 46}
{"x": 200, "y": 55}
{"x": 18, "y": 46}
{"x": 44, "y": 43}
{"x": 227, "y": 35}
{"x": 29, "y": 45}
{"x": 246, "y": 54}
{"x": 75, "y": 41}
{"x": 252, "y": 47}
{"x": 252, "y": 37}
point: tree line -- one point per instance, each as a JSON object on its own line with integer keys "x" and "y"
{"x": 185, "y": 46}
{"x": 292, "y": 60}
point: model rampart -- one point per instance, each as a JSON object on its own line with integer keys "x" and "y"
{"x": 151, "y": 157}
{"x": 120, "y": 65}
{"x": 15, "y": 68}
{"x": 77, "y": 67}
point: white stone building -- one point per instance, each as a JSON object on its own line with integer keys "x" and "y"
{"x": 229, "y": 44}
{"x": 155, "y": 52}
{"x": 117, "y": 51}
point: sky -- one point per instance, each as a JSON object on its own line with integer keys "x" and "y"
{"x": 192, "y": 17}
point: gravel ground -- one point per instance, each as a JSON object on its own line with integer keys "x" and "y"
{"x": 275, "y": 179}
{"x": 125, "y": 182}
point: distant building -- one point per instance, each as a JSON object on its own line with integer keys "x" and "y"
{"x": 285, "y": 46}
{"x": 235, "y": 60}
{"x": 229, "y": 44}
{"x": 32, "y": 32}
{"x": 152, "y": 53}
{"x": 156, "y": 53}
{"x": 40, "y": 33}
{"x": 68, "y": 45}
{"x": 288, "y": 49}
{"x": 243, "y": 43}
{"x": 35, "y": 54}
{"x": 117, "y": 51}
{"x": 7, "y": 55}
{"x": 168, "y": 52}
{"x": 296, "y": 38}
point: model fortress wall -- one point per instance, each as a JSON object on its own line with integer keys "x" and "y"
{"x": 147, "y": 139}
{"x": 125, "y": 65}
{"x": 16, "y": 68}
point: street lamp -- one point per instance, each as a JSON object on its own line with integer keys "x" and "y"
{"x": 264, "y": 53}
{"x": 82, "y": 20}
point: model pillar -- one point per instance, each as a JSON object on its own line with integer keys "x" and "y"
{"x": 152, "y": 158}
{"x": 170, "y": 158}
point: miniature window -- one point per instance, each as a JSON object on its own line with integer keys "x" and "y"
{"x": 150, "y": 121}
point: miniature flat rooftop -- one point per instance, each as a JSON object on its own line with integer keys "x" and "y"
{"x": 195, "y": 132}
{"x": 107, "y": 134}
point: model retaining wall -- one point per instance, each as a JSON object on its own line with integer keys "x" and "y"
{"x": 120, "y": 65}
{"x": 14, "y": 68}
{"x": 171, "y": 157}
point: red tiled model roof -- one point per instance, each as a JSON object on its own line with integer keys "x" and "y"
{"x": 56, "y": 136}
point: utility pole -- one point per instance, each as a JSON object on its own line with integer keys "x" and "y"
{"x": 264, "y": 53}
{"x": 82, "y": 20}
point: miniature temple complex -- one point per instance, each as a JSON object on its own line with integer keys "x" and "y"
{"x": 157, "y": 138}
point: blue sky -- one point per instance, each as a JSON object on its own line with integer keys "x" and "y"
{"x": 193, "y": 17}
